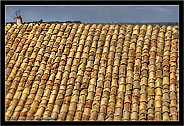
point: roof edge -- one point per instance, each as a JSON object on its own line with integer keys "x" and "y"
{"x": 128, "y": 23}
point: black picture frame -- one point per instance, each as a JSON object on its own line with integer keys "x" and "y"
{"x": 2, "y": 81}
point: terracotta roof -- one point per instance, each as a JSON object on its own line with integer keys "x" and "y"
{"x": 92, "y": 72}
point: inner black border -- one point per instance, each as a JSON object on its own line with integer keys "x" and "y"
{"x": 3, "y": 3}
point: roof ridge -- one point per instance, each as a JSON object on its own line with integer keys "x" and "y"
{"x": 129, "y": 23}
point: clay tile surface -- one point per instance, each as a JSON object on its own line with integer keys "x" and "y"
{"x": 96, "y": 72}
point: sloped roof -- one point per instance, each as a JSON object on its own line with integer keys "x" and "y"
{"x": 92, "y": 72}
